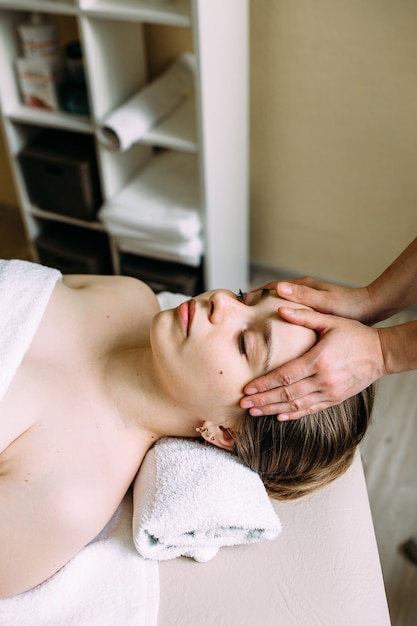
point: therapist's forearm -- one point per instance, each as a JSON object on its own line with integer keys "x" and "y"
{"x": 399, "y": 347}
{"x": 396, "y": 288}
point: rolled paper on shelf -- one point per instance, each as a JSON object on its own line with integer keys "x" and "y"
{"x": 130, "y": 122}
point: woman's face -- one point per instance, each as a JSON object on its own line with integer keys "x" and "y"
{"x": 210, "y": 347}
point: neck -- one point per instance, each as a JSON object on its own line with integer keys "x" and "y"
{"x": 143, "y": 402}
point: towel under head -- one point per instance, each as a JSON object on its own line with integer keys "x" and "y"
{"x": 191, "y": 499}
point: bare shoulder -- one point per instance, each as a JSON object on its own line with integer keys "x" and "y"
{"x": 125, "y": 301}
{"x": 124, "y": 288}
{"x": 95, "y": 313}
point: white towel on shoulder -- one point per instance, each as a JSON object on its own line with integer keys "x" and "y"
{"x": 191, "y": 499}
{"x": 25, "y": 289}
{"x": 105, "y": 584}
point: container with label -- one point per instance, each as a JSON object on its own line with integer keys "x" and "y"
{"x": 38, "y": 36}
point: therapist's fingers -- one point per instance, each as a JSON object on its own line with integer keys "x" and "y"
{"x": 289, "y": 388}
{"x": 349, "y": 302}
{"x": 310, "y": 292}
{"x": 293, "y": 401}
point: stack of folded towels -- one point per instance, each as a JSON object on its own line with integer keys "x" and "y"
{"x": 157, "y": 214}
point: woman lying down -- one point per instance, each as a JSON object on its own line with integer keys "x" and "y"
{"x": 107, "y": 374}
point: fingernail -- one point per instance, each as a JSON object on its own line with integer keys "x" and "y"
{"x": 251, "y": 391}
{"x": 283, "y": 418}
{"x": 246, "y": 404}
{"x": 285, "y": 288}
{"x": 256, "y": 412}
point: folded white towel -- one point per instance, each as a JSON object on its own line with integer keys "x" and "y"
{"x": 186, "y": 252}
{"x": 129, "y": 122}
{"x": 25, "y": 289}
{"x": 191, "y": 499}
{"x": 162, "y": 201}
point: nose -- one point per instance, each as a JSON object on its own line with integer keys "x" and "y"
{"x": 222, "y": 305}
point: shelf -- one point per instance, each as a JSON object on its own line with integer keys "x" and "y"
{"x": 177, "y": 131}
{"x": 175, "y": 13}
{"x": 63, "y": 8}
{"x": 204, "y": 137}
{"x": 158, "y": 214}
{"x": 64, "y": 219}
{"x": 57, "y": 119}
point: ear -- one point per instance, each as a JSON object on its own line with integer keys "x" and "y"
{"x": 219, "y": 435}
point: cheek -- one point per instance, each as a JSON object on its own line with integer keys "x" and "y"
{"x": 223, "y": 377}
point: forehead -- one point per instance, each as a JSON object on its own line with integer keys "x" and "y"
{"x": 288, "y": 341}
{"x": 270, "y": 299}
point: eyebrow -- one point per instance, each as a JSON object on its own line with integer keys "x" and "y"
{"x": 268, "y": 342}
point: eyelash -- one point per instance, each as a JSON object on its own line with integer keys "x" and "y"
{"x": 242, "y": 345}
{"x": 241, "y": 295}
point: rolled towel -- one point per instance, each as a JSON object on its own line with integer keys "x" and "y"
{"x": 25, "y": 289}
{"x": 161, "y": 201}
{"x": 190, "y": 499}
{"x": 134, "y": 118}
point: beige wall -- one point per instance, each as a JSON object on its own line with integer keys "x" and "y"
{"x": 333, "y": 133}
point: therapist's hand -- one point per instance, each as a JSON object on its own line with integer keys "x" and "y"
{"x": 351, "y": 302}
{"x": 347, "y": 358}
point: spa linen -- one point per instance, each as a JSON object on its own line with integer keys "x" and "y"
{"x": 25, "y": 289}
{"x": 191, "y": 499}
{"x": 105, "y": 584}
{"x": 162, "y": 201}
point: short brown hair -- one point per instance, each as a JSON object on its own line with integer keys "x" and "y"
{"x": 297, "y": 457}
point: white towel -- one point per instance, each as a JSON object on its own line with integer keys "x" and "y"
{"x": 186, "y": 252}
{"x": 129, "y": 123}
{"x": 162, "y": 201}
{"x": 105, "y": 584}
{"x": 169, "y": 300}
{"x": 25, "y": 289}
{"x": 191, "y": 499}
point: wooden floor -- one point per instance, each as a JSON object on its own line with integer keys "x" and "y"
{"x": 390, "y": 462}
{"x": 389, "y": 455}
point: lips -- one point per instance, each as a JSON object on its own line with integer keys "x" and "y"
{"x": 186, "y": 312}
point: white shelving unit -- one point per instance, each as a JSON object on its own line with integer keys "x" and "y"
{"x": 213, "y": 125}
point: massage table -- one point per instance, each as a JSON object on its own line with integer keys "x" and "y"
{"x": 323, "y": 570}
